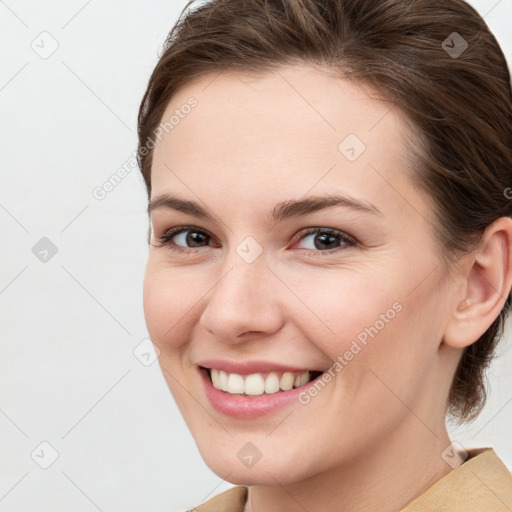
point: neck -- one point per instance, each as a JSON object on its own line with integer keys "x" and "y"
{"x": 384, "y": 479}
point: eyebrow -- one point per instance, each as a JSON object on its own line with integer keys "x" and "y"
{"x": 283, "y": 210}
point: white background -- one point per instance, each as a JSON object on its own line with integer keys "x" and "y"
{"x": 70, "y": 325}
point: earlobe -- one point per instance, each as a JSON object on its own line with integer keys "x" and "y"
{"x": 487, "y": 280}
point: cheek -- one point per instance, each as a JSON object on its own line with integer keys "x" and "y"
{"x": 371, "y": 322}
{"x": 167, "y": 303}
{"x": 347, "y": 307}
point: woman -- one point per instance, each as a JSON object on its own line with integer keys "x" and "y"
{"x": 330, "y": 255}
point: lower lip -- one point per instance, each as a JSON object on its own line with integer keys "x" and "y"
{"x": 247, "y": 407}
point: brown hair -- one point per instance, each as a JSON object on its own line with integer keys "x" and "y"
{"x": 413, "y": 52}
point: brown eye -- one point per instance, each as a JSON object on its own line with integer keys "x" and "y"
{"x": 183, "y": 238}
{"x": 324, "y": 241}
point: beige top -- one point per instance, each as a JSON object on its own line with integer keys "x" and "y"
{"x": 481, "y": 484}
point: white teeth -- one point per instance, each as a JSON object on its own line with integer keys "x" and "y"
{"x": 286, "y": 382}
{"x": 301, "y": 379}
{"x": 256, "y": 384}
{"x": 215, "y": 378}
{"x": 223, "y": 380}
{"x": 272, "y": 383}
{"x": 235, "y": 384}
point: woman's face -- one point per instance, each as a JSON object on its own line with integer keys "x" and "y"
{"x": 271, "y": 283}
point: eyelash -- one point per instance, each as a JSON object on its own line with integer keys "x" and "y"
{"x": 166, "y": 240}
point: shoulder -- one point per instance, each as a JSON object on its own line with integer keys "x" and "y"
{"x": 232, "y": 500}
{"x": 481, "y": 483}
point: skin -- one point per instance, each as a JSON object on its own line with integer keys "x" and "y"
{"x": 372, "y": 438}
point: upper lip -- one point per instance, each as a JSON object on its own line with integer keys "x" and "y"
{"x": 248, "y": 367}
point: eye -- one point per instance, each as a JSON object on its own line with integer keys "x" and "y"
{"x": 323, "y": 239}
{"x": 183, "y": 239}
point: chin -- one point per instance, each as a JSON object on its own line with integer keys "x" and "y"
{"x": 240, "y": 463}
{"x": 260, "y": 474}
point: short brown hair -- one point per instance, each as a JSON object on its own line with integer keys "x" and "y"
{"x": 413, "y": 52}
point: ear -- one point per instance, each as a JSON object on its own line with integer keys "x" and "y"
{"x": 486, "y": 282}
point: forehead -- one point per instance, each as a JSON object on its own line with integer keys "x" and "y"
{"x": 295, "y": 129}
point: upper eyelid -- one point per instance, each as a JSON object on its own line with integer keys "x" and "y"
{"x": 185, "y": 227}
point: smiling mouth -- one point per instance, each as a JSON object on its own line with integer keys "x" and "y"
{"x": 257, "y": 384}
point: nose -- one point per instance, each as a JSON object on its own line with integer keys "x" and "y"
{"x": 243, "y": 303}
